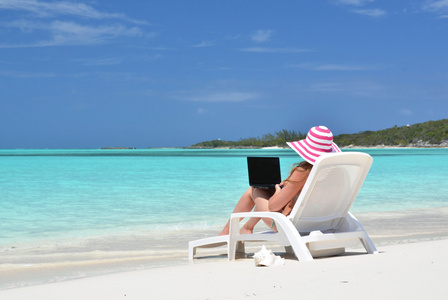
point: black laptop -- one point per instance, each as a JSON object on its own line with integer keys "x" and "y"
{"x": 264, "y": 172}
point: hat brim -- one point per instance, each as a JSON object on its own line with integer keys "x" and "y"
{"x": 309, "y": 154}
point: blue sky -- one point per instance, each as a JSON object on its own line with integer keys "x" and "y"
{"x": 137, "y": 73}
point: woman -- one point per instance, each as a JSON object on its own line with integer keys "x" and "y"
{"x": 318, "y": 141}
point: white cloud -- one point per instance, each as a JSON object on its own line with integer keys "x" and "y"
{"x": 47, "y": 9}
{"x": 262, "y": 36}
{"x": 219, "y": 96}
{"x": 354, "y": 2}
{"x": 371, "y": 12}
{"x": 332, "y": 67}
{"x": 274, "y": 50}
{"x": 51, "y": 9}
{"x": 327, "y": 87}
{"x": 102, "y": 61}
{"x": 43, "y": 29}
{"x": 204, "y": 44}
{"x": 71, "y": 33}
{"x": 17, "y": 74}
{"x": 405, "y": 111}
{"x": 353, "y": 88}
{"x": 437, "y": 6}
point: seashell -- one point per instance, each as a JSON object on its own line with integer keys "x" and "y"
{"x": 266, "y": 258}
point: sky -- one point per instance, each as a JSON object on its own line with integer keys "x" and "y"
{"x": 138, "y": 73}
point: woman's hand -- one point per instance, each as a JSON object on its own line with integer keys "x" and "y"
{"x": 278, "y": 187}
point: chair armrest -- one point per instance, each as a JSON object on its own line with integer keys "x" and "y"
{"x": 258, "y": 214}
{"x": 282, "y": 222}
{"x": 286, "y": 231}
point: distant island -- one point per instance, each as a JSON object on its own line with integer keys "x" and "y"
{"x": 116, "y": 148}
{"x": 427, "y": 134}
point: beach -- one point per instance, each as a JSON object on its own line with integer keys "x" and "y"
{"x": 405, "y": 271}
{"x": 411, "y": 264}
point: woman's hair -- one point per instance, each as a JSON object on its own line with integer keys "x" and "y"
{"x": 303, "y": 166}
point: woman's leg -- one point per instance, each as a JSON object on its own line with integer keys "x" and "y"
{"x": 251, "y": 198}
{"x": 261, "y": 201}
{"x": 245, "y": 204}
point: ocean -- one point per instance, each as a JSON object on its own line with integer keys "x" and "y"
{"x": 81, "y": 205}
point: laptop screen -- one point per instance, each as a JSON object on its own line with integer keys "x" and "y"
{"x": 263, "y": 171}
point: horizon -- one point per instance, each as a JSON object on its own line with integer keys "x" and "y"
{"x": 95, "y": 74}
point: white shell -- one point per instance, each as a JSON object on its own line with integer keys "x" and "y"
{"x": 266, "y": 258}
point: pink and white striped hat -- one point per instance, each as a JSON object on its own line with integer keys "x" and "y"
{"x": 319, "y": 140}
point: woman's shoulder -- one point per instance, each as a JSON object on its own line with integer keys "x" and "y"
{"x": 299, "y": 173}
{"x": 303, "y": 168}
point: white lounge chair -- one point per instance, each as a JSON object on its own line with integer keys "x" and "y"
{"x": 320, "y": 223}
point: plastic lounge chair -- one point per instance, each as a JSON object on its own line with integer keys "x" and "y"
{"x": 320, "y": 223}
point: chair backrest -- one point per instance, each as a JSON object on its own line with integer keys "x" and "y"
{"x": 329, "y": 191}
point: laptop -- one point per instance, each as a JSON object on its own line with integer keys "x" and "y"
{"x": 264, "y": 172}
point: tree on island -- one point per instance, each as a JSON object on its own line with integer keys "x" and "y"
{"x": 428, "y": 134}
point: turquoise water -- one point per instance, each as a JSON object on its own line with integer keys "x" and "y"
{"x": 61, "y": 194}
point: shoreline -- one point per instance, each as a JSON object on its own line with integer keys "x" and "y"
{"x": 139, "y": 253}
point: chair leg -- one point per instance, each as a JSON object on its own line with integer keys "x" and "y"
{"x": 289, "y": 250}
{"x": 233, "y": 245}
{"x": 354, "y": 225}
{"x": 191, "y": 252}
{"x": 368, "y": 245}
{"x": 240, "y": 247}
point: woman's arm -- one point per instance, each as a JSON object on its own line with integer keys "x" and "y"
{"x": 282, "y": 196}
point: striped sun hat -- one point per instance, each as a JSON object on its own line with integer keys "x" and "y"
{"x": 319, "y": 140}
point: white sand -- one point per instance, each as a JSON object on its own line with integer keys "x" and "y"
{"x": 405, "y": 271}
